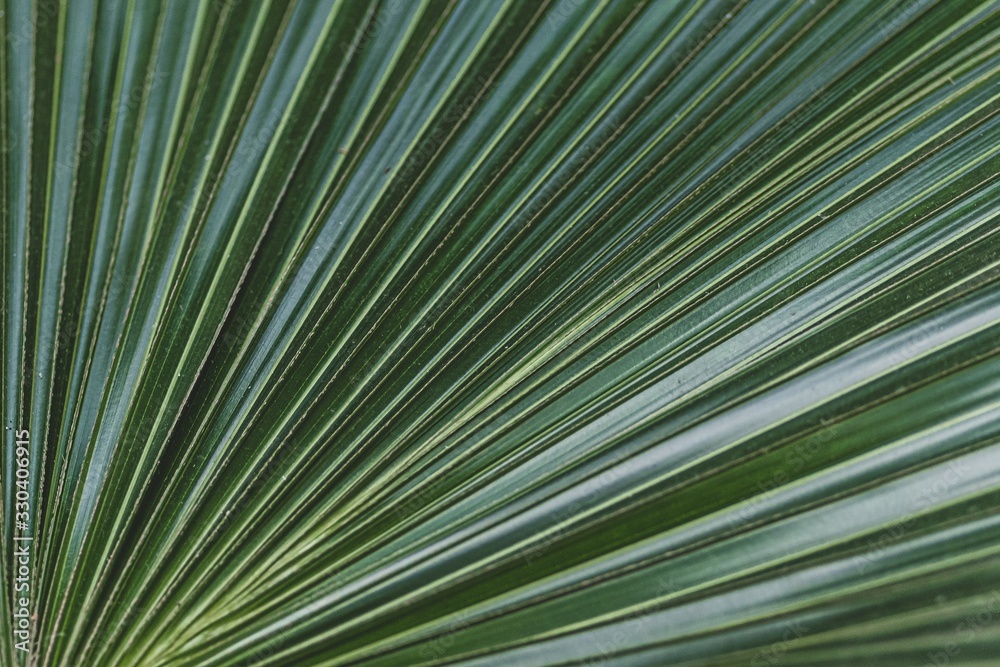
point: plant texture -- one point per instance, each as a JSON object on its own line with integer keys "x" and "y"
{"x": 500, "y": 333}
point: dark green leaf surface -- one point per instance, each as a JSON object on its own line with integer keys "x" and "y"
{"x": 503, "y": 332}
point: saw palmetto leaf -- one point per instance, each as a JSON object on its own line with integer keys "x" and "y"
{"x": 501, "y": 332}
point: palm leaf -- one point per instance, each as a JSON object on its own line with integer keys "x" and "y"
{"x": 501, "y": 333}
